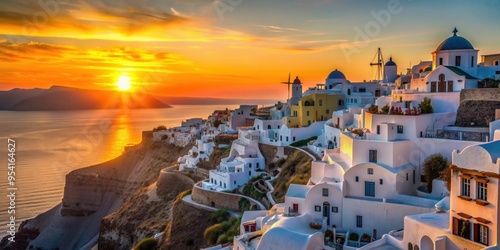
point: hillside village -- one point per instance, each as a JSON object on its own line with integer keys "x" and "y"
{"x": 370, "y": 184}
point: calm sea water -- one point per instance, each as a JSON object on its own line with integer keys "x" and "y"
{"x": 51, "y": 144}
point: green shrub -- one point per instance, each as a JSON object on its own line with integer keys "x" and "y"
{"x": 243, "y": 205}
{"x": 426, "y": 106}
{"x": 384, "y": 109}
{"x": 213, "y": 232}
{"x": 220, "y": 215}
{"x": 146, "y": 244}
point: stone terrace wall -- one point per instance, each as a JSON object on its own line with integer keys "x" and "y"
{"x": 217, "y": 199}
{"x": 489, "y": 94}
{"x": 477, "y": 107}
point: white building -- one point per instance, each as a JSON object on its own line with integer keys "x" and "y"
{"x": 240, "y": 116}
{"x": 470, "y": 220}
{"x": 244, "y": 162}
{"x": 201, "y": 151}
{"x": 192, "y": 122}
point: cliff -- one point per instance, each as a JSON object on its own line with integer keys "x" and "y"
{"x": 91, "y": 194}
{"x": 145, "y": 213}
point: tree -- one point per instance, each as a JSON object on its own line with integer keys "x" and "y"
{"x": 433, "y": 166}
{"x": 426, "y": 106}
{"x": 445, "y": 175}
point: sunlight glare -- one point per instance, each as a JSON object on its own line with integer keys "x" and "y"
{"x": 124, "y": 83}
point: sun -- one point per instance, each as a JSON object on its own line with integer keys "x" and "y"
{"x": 124, "y": 83}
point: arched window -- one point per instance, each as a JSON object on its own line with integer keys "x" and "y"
{"x": 442, "y": 77}
{"x": 410, "y": 246}
{"x": 268, "y": 126}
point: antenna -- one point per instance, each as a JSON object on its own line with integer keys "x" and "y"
{"x": 288, "y": 83}
{"x": 378, "y": 63}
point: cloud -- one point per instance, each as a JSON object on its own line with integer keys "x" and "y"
{"x": 272, "y": 28}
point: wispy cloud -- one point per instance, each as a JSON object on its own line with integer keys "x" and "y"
{"x": 273, "y": 28}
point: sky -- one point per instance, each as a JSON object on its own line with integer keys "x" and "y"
{"x": 225, "y": 48}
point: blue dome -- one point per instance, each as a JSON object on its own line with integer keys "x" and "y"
{"x": 336, "y": 75}
{"x": 455, "y": 43}
{"x": 390, "y": 63}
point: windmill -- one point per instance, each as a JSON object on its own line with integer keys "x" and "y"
{"x": 288, "y": 83}
{"x": 378, "y": 63}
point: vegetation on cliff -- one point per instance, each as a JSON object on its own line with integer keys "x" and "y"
{"x": 296, "y": 169}
{"x": 224, "y": 229}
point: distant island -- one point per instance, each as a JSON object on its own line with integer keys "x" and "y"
{"x": 67, "y": 98}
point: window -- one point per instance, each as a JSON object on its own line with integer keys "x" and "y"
{"x": 482, "y": 191}
{"x": 472, "y": 62}
{"x": 400, "y": 129}
{"x": 495, "y": 63}
{"x": 440, "y": 61}
{"x": 357, "y": 179}
{"x": 325, "y": 192}
{"x": 250, "y": 165}
{"x": 370, "y": 170}
{"x": 481, "y": 233}
{"x": 362, "y": 90}
{"x": 461, "y": 228}
{"x": 465, "y": 184}
{"x": 320, "y": 102}
{"x": 413, "y": 176}
{"x": 335, "y": 209}
{"x": 378, "y": 129}
{"x": 294, "y": 138}
{"x": 268, "y": 126}
{"x": 317, "y": 208}
{"x": 287, "y": 138}
{"x": 234, "y": 182}
{"x": 370, "y": 188}
{"x": 381, "y": 181}
{"x": 410, "y": 246}
{"x": 348, "y": 91}
{"x": 327, "y": 111}
{"x": 224, "y": 185}
{"x": 359, "y": 221}
{"x": 250, "y": 173}
{"x": 458, "y": 59}
{"x": 307, "y": 113}
{"x": 406, "y": 176}
{"x": 372, "y": 156}
{"x": 257, "y": 165}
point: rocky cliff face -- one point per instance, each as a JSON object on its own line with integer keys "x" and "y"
{"x": 94, "y": 192}
{"x": 145, "y": 214}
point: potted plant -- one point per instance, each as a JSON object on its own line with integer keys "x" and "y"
{"x": 353, "y": 239}
{"x": 365, "y": 237}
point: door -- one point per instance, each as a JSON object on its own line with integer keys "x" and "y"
{"x": 326, "y": 212}
{"x": 295, "y": 207}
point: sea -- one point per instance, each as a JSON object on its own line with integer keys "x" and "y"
{"x": 50, "y": 144}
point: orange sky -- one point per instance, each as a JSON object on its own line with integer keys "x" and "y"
{"x": 214, "y": 49}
